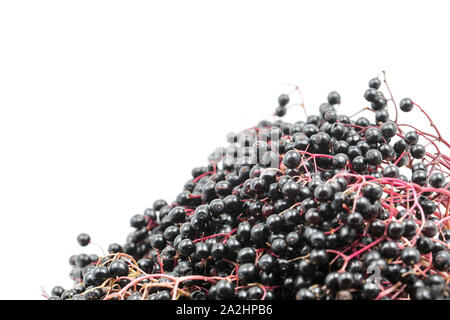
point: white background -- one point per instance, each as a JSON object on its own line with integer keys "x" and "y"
{"x": 106, "y": 106}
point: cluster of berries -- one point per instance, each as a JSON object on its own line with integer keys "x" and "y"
{"x": 326, "y": 208}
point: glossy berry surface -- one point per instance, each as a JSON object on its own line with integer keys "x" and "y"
{"x": 83, "y": 239}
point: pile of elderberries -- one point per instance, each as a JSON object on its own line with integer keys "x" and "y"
{"x": 333, "y": 207}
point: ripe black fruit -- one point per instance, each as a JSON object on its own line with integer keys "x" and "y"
{"x": 406, "y": 105}
{"x": 83, "y": 239}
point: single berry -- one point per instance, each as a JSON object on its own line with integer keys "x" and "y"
{"x": 118, "y": 268}
{"x": 406, "y": 105}
{"x": 83, "y": 239}
{"x": 283, "y": 99}
{"x": 334, "y": 98}
{"x": 375, "y": 83}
